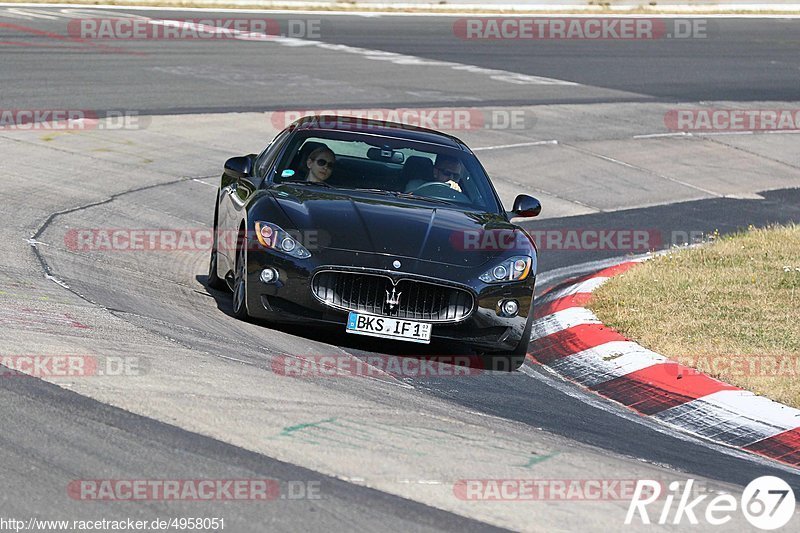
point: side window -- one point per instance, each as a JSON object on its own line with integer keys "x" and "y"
{"x": 267, "y": 158}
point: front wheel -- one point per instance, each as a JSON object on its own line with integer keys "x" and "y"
{"x": 239, "y": 286}
{"x": 213, "y": 280}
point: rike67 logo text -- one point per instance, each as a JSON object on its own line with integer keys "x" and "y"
{"x": 767, "y": 502}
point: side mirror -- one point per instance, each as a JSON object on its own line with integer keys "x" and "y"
{"x": 526, "y": 206}
{"x": 239, "y": 167}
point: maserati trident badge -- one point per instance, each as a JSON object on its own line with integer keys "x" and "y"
{"x": 393, "y": 299}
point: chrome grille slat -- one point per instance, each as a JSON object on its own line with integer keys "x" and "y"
{"x": 366, "y": 292}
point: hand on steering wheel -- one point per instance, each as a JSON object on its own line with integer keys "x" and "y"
{"x": 449, "y": 184}
{"x": 451, "y": 193}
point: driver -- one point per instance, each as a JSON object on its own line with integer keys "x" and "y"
{"x": 447, "y": 169}
{"x": 320, "y": 164}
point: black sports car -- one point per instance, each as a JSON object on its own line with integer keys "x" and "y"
{"x": 380, "y": 228}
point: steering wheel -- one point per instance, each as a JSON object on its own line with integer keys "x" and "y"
{"x": 450, "y": 192}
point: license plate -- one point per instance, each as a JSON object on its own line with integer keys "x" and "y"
{"x": 388, "y": 328}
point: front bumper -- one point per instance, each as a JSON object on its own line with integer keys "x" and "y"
{"x": 290, "y": 299}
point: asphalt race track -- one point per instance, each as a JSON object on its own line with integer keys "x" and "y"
{"x": 205, "y": 399}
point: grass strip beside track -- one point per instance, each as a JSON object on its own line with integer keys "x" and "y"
{"x": 730, "y": 309}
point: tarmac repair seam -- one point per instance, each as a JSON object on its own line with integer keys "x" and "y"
{"x": 570, "y": 339}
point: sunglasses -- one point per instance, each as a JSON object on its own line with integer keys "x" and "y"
{"x": 449, "y": 173}
{"x": 325, "y": 163}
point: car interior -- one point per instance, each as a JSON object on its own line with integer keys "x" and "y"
{"x": 355, "y": 172}
{"x": 377, "y": 171}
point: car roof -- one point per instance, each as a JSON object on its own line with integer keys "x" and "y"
{"x": 377, "y": 127}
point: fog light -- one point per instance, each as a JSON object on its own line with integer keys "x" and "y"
{"x": 269, "y": 275}
{"x": 510, "y": 307}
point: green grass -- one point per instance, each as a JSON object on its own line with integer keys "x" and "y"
{"x": 730, "y": 309}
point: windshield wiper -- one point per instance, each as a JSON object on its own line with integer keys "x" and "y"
{"x": 319, "y": 183}
{"x": 410, "y": 196}
{"x": 376, "y": 191}
{"x": 398, "y": 194}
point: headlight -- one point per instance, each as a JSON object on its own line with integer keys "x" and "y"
{"x": 275, "y": 238}
{"x": 515, "y": 268}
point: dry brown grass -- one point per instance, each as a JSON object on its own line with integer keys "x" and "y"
{"x": 730, "y": 309}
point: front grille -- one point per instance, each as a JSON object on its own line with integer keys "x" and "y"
{"x": 419, "y": 300}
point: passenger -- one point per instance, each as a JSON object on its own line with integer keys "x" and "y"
{"x": 320, "y": 164}
{"x": 447, "y": 169}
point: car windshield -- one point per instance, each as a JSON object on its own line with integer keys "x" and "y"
{"x": 408, "y": 169}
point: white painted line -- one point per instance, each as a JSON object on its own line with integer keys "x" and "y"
{"x": 588, "y": 285}
{"x": 583, "y": 268}
{"x": 648, "y": 171}
{"x": 748, "y": 132}
{"x": 28, "y": 14}
{"x": 504, "y": 76}
{"x": 377, "y": 55}
{"x": 713, "y": 133}
{"x": 56, "y": 281}
{"x": 33, "y": 242}
{"x": 236, "y": 360}
{"x": 759, "y": 408}
{"x": 658, "y": 135}
{"x": 606, "y": 362}
{"x": 517, "y": 145}
{"x": 737, "y": 418}
{"x": 203, "y": 182}
{"x": 777, "y": 132}
{"x": 561, "y": 320}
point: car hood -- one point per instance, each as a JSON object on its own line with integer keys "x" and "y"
{"x": 382, "y": 224}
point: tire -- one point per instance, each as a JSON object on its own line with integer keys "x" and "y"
{"x": 213, "y": 280}
{"x": 239, "y": 298}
